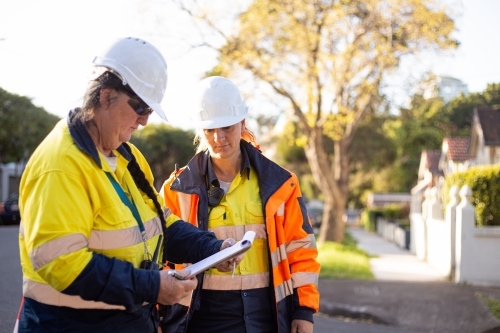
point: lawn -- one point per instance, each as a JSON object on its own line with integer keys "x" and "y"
{"x": 491, "y": 303}
{"x": 344, "y": 261}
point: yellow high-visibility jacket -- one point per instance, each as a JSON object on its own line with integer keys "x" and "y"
{"x": 81, "y": 246}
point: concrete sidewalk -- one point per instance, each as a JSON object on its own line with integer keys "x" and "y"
{"x": 407, "y": 295}
{"x": 393, "y": 263}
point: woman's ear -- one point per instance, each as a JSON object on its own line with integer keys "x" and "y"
{"x": 105, "y": 97}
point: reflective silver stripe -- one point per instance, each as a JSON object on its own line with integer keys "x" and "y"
{"x": 279, "y": 255}
{"x": 281, "y": 210}
{"x": 306, "y": 243}
{"x": 300, "y": 279}
{"x": 45, "y": 294}
{"x": 283, "y": 290}
{"x": 115, "y": 239}
{"x": 237, "y": 232}
{"x": 21, "y": 228}
{"x": 166, "y": 213}
{"x": 184, "y": 205}
{"x": 49, "y": 251}
{"x": 238, "y": 282}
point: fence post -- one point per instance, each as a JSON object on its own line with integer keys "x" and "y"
{"x": 451, "y": 220}
{"x": 465, "y": 224}
{"x": 425, "y": 203}
{"x": 421, "y": 249}
{"x": 435, "y": 208}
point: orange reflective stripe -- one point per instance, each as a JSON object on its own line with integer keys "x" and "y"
{"x": 281, "y": 210}
{"x": 238, "y": 282}
{"x": 184, "y": 205}
{"x": 49, "y": 251}
{"x": 237, "y": 232}
{"x": 300, "y": 279}
{"x": 187, "y": 207}
{"x": 115, "y": 239}
{"x": 45, "y": 294}
{"x": 99, "y": 240}
{"x": 283, "y": 290}
{"x": 306, "y": 242}
{"x": 166, "y": 212}
{"x": 279, "y": 255}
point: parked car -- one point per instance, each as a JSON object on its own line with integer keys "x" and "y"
{"x": 9, "y": 210}
{"x": 315, "y": 212}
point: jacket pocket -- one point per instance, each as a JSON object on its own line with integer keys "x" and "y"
{"x": 254, "y": 213}
{"x": 112, "y": 217}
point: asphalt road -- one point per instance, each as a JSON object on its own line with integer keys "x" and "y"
{"x": 10, "y": 277}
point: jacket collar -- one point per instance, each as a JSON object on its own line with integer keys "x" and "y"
{"x": 84, "y": 141}
{"x": 199, "y": 172}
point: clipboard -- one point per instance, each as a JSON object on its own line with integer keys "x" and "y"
{"x": 240, "y": 247}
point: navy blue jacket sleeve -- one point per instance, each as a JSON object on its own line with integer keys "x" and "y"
{"x": 188, "y": 244}
{"x": 114, "y": 281}
{"x": 117, "y": 282}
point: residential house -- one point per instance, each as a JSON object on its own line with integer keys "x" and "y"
{"x": 485, "y": 136}
{"x": 454, "y": 155}
{"x": 429, "y": 175}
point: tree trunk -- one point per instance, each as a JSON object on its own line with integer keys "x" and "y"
{"x": 331, "y": 178}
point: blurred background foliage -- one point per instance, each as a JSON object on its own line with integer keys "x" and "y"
{"x": 386, "y": 152}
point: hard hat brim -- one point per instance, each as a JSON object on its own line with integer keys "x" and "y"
{"x": 220, "y": 121}
{"x": 155, "y": 106}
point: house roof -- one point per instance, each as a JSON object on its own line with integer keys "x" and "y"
{"x": 458, "y": 148}
{"x": 489, "y": 119}
{"x": 432, "y": 161}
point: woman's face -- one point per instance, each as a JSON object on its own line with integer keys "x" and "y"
{"x": 117, "y": 119}
{"x": 224, "y": 142}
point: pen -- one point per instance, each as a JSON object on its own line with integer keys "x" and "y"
{"x": 234, "y": 266}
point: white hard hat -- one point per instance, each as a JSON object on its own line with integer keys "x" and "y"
{"x": 141, "y": 66}
{"x": 218, "y": 104}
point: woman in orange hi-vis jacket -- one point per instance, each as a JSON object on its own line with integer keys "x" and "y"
{"x": 229, "y": 188}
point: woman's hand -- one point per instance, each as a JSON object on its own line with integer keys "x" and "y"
{"x": 302, "y": 326}
{"x": 173, "y": 290}
{"x": 228, "y": 265}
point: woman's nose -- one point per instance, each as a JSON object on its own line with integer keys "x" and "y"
{"x": 218, "y": 135}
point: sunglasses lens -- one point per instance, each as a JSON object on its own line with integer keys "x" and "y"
{"x": 139, "y": 107}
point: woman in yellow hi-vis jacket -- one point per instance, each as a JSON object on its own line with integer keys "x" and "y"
{"x": 229, "y": 187}
{"x": 93, "y": 225}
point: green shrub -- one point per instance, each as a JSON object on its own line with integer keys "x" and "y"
{"x": 369, "y": 219}
{"x": 390, "y": 212}
{"x": 484, "y": 182}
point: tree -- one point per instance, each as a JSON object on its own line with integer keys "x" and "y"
{"x": 23, "y": 127}
{"x": 328, "y": 59}
{"x": 164, "y": 146}
{"x": 460, "y": 110}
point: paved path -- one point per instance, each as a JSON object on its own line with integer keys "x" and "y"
{"x": 391, "y": 262}
{"x": 407, "y": 295}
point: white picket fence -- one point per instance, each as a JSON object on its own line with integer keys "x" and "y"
{"x": 452, "y": 243}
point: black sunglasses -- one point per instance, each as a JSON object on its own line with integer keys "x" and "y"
{"x": 137, "y": 104}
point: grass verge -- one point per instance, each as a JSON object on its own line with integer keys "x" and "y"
{"x": 344, "y": 261}
{"x": 491, "y": 303}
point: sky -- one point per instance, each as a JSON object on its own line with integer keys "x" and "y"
{"x": 46, "y": 48}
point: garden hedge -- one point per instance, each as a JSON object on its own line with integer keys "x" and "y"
{"x": 484, "y": 182}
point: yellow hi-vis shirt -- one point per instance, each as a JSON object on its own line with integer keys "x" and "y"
{"x": 70, "y": 209}
{"x": 239, "y": 211}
